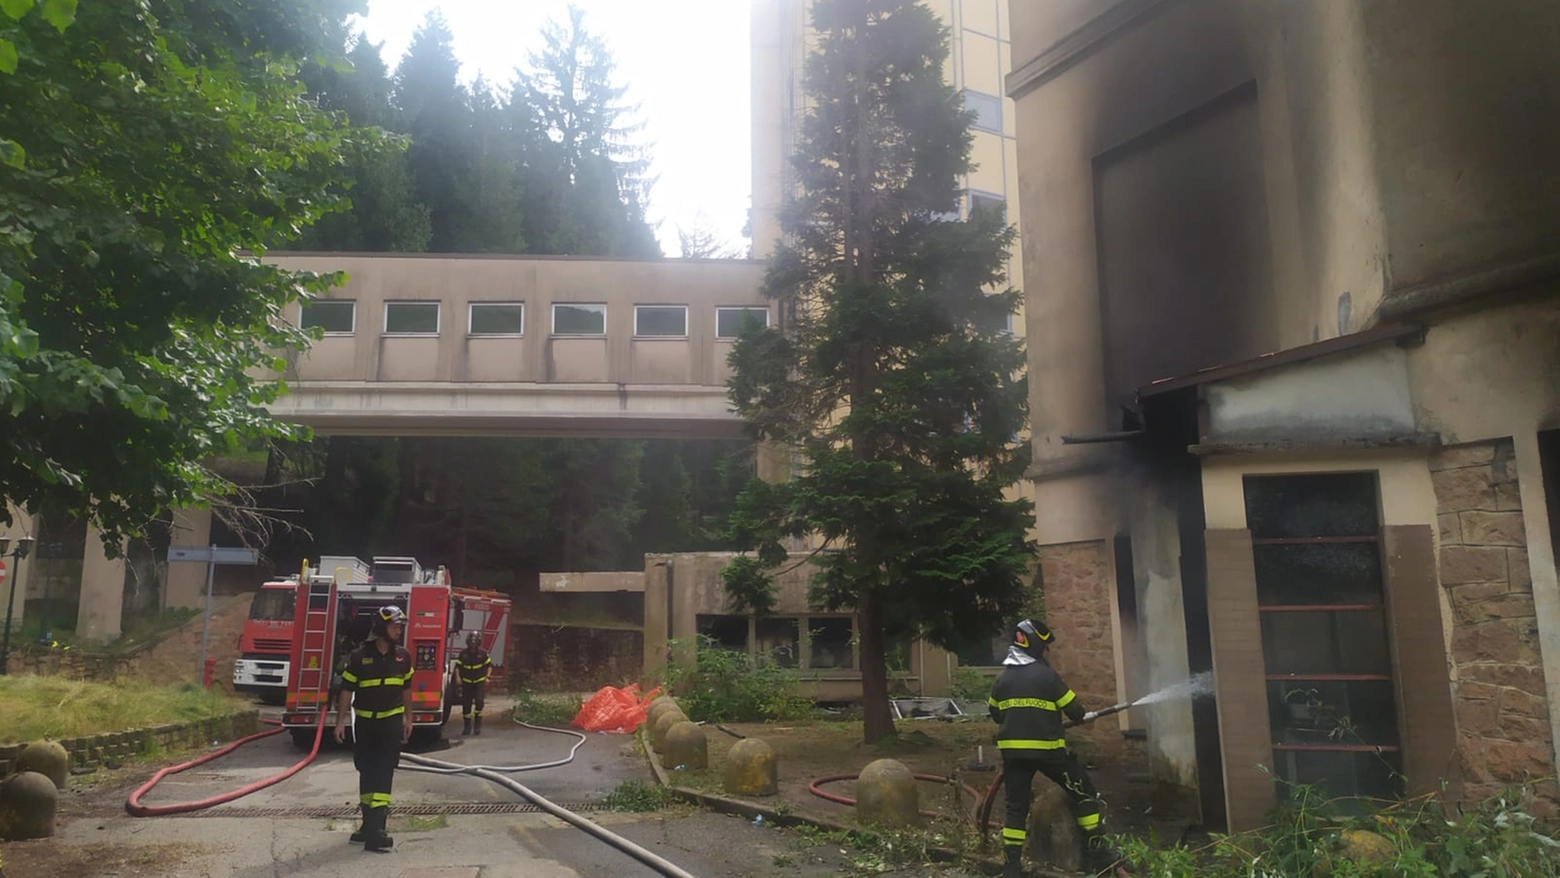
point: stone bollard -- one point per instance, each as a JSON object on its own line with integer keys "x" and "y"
{"x": 664, "y": 724}
{"x": 685, "y": 745}
{"x": 887, "y": 795}
{"x": 751, "y": 769}
{"x": 1054, "y": 836}
{"x": 27, "y": 803}
{"x": 48, "y": 758}
{"x": 657, "y": 707}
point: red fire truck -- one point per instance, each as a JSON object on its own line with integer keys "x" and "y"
{"x": 265, "y": 644}
{"x": 334, "y": 613}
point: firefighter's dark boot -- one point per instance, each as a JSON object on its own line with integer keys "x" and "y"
{"x": 376, "y": 838}
{"x": 476, "y": 727}
{"x": 465, "y": 725}
{"x": 1014, "y": 866}
{"x": 1099, "y": 858}
{"x": 357, "y": 836}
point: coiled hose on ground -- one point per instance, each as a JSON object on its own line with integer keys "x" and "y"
{"x": 133, "y": 804}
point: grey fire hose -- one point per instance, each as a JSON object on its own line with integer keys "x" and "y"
{"x": 664, "y": 866}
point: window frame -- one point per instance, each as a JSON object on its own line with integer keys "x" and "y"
{"x": 329, "y": 333}
{"x": 638, "y": 335}
{"x": 768, "y": 316}
{"x": 970, "y": 195}
{"x": 471, "y": 308}
{"x": 1285, "y": 753}
{"x": 438, "y": 319}
{"x": 602, "y": 306}
{"x": 978, "y": 124}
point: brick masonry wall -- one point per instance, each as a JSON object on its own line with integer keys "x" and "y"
{"x": 1076, "y": 579}
{"x": 570, "y": 658}
{"x": 93, "y": 750}
{"x": 1503, "y": 730}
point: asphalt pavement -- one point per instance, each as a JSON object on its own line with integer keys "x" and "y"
{"x": 444, "y": 826}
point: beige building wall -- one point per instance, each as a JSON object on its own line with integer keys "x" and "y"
{"x": 1218, "y": 180}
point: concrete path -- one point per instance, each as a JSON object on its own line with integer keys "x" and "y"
{"x": 299, "y": 827}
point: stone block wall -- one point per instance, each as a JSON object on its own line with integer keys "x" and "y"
{"x": 1078, "y": 586}
{"x": 1498, "y": 688}
{"x": 71, "y": 664}
{"x": 93, "y": 750}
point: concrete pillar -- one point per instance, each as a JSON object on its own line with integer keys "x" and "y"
{"x": 1541, "y": 568}
{"x": 187, "y": 582}
{"x": 102, "y": 591}
{"x": 16, "y": 573}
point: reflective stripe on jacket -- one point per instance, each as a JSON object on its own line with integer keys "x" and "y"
{"x": 474, "y": 665}
{"x": 1028, "y": 701}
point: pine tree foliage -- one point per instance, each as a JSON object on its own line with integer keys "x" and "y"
{"x": 591, "y": 158}
{"x": 891, "y": 370}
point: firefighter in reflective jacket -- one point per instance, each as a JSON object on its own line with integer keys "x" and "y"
{"x": 474, "y": 664}
{"x": 376, "y": 686}
{"x": 1028, "y": 700}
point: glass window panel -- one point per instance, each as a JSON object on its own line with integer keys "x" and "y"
{"x": 1331, "y": 573}
{"x": 729, "y": 322}
{"x": 831, "y": 642}
{"x": 333, "y": 315}
{"x": 412, "y": 317}
{"x": 779, "y": 640}
{"x": 661, "y": 320}
{"x": 497, "y": 318}
{"x": 724, "y": 632}
{"x": 985, "y": 202}
{"x": 579, "y": 319}
{"x": 1326, "y": 643}
{"x": 988, "y": 110}
{"x": 1332, "y": 505}
{"x": 1332, "y": 712}
{"x": 1341, "y": 774}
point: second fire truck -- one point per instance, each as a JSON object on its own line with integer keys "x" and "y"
{"x": 336, "y": 602}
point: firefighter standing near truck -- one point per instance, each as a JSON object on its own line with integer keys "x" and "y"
{"x": 376, "y": 686}
{"x": 474, "y": 664}
{"x": 1028, "y": 701}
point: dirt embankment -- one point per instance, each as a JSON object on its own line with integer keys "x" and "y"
{"x": 176, "y": 659}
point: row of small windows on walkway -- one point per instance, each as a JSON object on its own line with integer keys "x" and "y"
{"x": 507, "y": 319}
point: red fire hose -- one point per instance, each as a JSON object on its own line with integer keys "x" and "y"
{"x": 846, "y": 800}
{"x": 133, "y": 804}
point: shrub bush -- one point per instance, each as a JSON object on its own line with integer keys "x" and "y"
{"x": 1314, "y": 837}
{"x": 724, "y": 685}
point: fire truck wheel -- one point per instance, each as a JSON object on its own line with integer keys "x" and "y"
{"x": 275, "y": 699}
{"x": 303, "y": 739}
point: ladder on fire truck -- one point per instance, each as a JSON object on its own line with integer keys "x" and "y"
{"x": 317, "y": 637}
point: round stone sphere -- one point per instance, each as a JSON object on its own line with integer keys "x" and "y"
{"x": 48, "y": 758}
{"x": 887, "y": 795}
{"x": 27, "y": 804}
{"x": 751, "y": 769}
{"x": 663, "y": 724}
{"x": 686, "y": 746}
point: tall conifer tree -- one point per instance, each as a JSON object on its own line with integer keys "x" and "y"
{"x": 891, "y": 370}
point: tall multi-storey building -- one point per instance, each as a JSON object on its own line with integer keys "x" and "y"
{"x": 980, "y": 56}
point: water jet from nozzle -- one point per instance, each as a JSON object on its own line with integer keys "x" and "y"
{"x": 1198, "y": 686}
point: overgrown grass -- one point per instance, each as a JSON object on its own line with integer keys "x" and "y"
{"x": 32, "y": 707}
{"x": 638, "y": 796}
{"x": 1313, "y": 836}
{"x": 546, "y": 709}
{"x": 723, "y": 685}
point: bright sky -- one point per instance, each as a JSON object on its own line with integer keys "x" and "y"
{"x": 684, "y": 61}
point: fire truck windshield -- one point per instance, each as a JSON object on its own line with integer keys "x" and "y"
{"x": 274, "y": 605}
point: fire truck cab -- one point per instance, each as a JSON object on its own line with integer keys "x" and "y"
{"x": 334, "y": 614}
{"x": 265, "y": 644}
